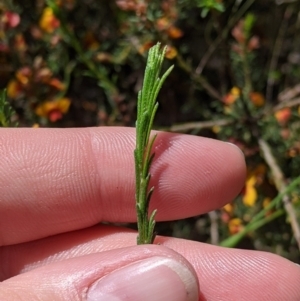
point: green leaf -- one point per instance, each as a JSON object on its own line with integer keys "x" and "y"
{"x": 143, "y": 156}
{"x": 6, "y": 112}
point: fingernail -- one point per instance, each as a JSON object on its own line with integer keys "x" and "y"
{"x": 156, "y": 278}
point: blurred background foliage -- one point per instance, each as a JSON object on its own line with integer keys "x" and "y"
{"x": 236, "y": 78}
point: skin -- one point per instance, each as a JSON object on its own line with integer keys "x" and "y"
{"x": 56, "y": 185}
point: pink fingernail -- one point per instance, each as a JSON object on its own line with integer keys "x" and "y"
{"x": 156, "y": 278}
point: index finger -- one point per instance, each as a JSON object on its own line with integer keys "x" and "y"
{"x": 59, "y": 180}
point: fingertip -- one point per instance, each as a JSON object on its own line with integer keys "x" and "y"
{"x": 201, "y": 173}
{"x": 136, "y": 273}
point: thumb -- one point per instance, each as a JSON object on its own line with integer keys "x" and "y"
{"x": 130, "y": 274}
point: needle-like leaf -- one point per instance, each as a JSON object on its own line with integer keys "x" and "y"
{"x": 143, "y": 156}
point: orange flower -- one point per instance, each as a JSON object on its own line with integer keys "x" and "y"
{"x": 163, "y": 23}
{"x": 171, "y": 52}
{"x": 228, "y": 208}
{"x": 226, "y": 213}
{"x": 48, "y": 21}
{"x": 145, "y": 47}
{"x": 14, "y": 89}
{"x": 24, "y": 75}
{"x": 174, "y": 32}
{"x": 283, "y": 115}
{"x": 15, "y": 86}
{"x": 257, "y": 99}
{"x": 232, "y": 96}
{"x": 235, "y": 225}
{"x": 57, "y": 84}
{"x": 53, "y": 109}
{"x": 20, "y": 43}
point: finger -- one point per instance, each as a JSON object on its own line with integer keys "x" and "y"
{"x": 224, "y": 274}
{"x": 137, "y": 273}
{"x": 58, "y": 180}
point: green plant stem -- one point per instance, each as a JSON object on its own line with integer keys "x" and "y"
{"x": 280, "y": 181}
{"x": 232, "y": 241}
{"x": 6, "y": 112}
{"x": 260, "y": 219}
{"x": 197, "y": 78}
{"x": 143, "y": 156}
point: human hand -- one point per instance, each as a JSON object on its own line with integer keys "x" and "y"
{"x": 57, "y": 184}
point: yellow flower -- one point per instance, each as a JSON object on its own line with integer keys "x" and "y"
{"x": 48, "y": 21}
{"x": 250, "y": 196}
{"x": 232, "y": 96}
{"x": 235, "y": 225}
{"x": 53, "y": 109}
{"x": 228, "y": 208}
{"x": 235, "y": 91}
{"x": 171, "y": 52}
{"x": 216, "y": 129}
{"x": 14, "y": 89}
{"x": 255, "y": 178}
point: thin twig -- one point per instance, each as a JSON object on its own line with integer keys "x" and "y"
{"x": 287, "y": 104}
{"x": 214, "y": 231}
{"x": 197, "y": 78}
{"x": 280, "y": 183}
{"x": 276, "y": 52}
{"x": 197, "y": 125}
{"x": 289, "y": 93}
